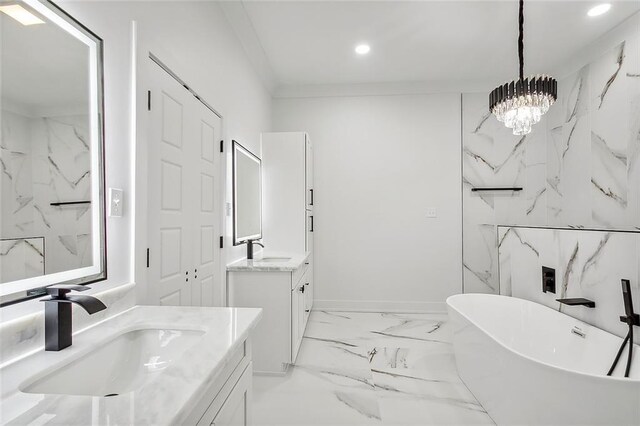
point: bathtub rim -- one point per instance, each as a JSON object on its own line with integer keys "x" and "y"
{"x": 555, "y": 367}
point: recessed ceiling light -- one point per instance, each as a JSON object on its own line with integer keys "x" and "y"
{"x": 599, "y": 9}
{"x": 21, "y": 14}
{"x": 362, "y": 49}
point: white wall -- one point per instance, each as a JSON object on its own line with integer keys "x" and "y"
{"x": 380, "y": 162}
{"x": 205, "y": 52}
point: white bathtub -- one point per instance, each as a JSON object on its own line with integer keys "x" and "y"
{"x": 525, "y": 366}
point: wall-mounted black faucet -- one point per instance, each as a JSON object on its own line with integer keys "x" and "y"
{"x": 578, "y": 301}
{"x": 57, "y": 314}
{"x": 250, "y": 244}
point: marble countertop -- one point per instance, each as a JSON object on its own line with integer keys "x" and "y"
{"x": 166, "y": 399}
{"x": 291, "y": 262}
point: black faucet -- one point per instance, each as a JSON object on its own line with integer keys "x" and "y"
{"x": 57, "y": 314}
{"x": 578, "y": 301}
{"x": 250, "y": 244}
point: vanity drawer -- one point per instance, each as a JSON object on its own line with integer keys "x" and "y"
{"x": 296, "y": 275}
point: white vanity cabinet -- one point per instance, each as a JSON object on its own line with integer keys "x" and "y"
{"x": 227, "y": 399}
{"x": 284, "y": 292}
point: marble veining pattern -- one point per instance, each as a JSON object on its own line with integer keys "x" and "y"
{"x": 45, "y": 160}
{"x": 21, "y": 258}
{"x": 588, "y": 264}
{"x": 579, "y": 167}
{"x": 370, "y": 368}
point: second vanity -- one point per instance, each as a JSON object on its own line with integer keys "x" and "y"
{"x": 149, "y": 365}
{"x": 282, "y": 285}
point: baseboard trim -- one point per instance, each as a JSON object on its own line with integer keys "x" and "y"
{"x": 379, "y": 306}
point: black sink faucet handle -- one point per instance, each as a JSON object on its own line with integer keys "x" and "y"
{"x": 61, "y": 290}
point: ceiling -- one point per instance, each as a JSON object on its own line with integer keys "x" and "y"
{"x": 312, "y": 42}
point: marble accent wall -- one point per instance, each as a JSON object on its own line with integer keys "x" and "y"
{"x": 45, "y": 160}
{"x": 21, "y": 258}
{"x": 579, "y": 167}
{"x": 588, "y": 264}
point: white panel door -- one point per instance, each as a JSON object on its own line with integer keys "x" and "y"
{"x": 169, "y": 195}
{"x": 183, "y": 195}
{"x": 206, "y": 253}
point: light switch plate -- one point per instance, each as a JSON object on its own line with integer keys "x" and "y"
{"x": 432, "y": 212}
{"x": 116, "y": 201}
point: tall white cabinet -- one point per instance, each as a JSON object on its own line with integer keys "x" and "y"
{"x": 288, "y": 219}
{"x": 287, "y": 167}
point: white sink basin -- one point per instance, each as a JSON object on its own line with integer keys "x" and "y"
{"x": 273, "y": 259}
{"x": 118, "y": 366}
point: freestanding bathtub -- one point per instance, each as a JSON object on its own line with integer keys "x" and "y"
{"x": 528, "y": 364}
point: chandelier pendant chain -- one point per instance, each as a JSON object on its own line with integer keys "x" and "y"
{"x": 521, "y": 39}
{"x": 521, "y": 103}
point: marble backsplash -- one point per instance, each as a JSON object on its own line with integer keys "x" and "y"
{"x": 44, "y": 160}
{"x": 579, "y": 167}
{"x": 588, "y": 264}
{"x": 25, "y": 333}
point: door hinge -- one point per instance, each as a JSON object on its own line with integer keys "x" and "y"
{"x": 147, "y": 258}
{"x": 222, "y": 146}
{"x": 221, "y": 241}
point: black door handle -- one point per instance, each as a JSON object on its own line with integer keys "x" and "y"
{"x": 311, "y": 203}
{"x": 311, "y": 230}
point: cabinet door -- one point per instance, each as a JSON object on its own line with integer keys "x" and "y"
{"x": 309, "y": 171}
{"x": 296, "y": 295}
{"x": 236, "y": 410}
{"x": 297, "y": 298}
{"x": 301, "y": 314}
{"x": 309, "y": 229}
{"x": 308, "y": 293}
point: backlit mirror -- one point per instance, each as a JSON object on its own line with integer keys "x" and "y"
{"x": 51, "y": 151}
{"x": 247, "y": 195}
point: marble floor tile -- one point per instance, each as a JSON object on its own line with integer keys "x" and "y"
{"x": 421, "y": 412}
{"x": 370, "y": 368}
{"x": 437, "y": 361}
{"x": 315, "y": 408}
{"x": 330, "y": 353}
{"x": 305, "y": 378}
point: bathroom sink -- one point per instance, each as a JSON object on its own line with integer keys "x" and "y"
{"x": 118, "y": 366}
{"x": 273, "y": 259}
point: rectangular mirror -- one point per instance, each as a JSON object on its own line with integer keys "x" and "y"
{"x": 52, "y": 220}
{"x": 247, "y": 195}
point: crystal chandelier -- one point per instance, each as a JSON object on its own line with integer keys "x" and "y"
{"x": 521, "y": 103}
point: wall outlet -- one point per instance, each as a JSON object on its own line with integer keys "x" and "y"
{"x": 116, "y": 201}
{"x": 432, "y": 212}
